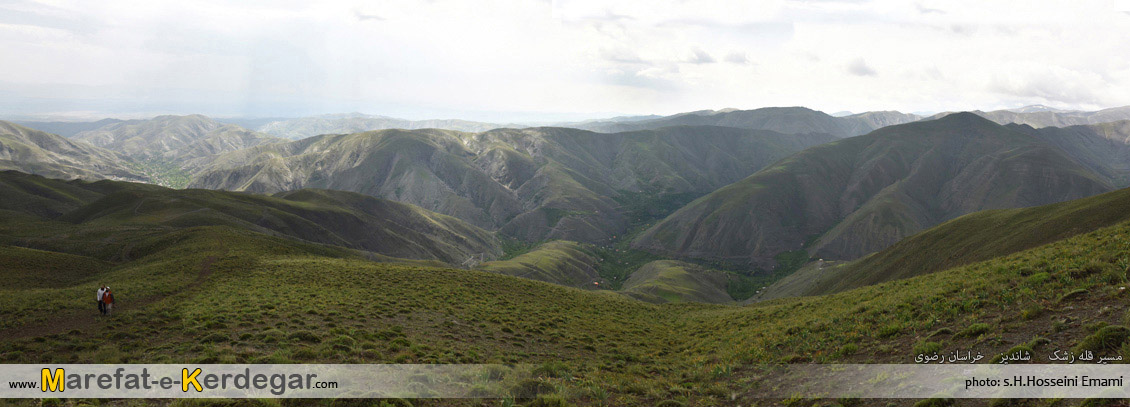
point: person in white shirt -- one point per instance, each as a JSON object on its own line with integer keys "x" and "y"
{"x": 101, "y": 305}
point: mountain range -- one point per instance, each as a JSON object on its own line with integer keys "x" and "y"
{"x": 532, "y": 184}
{"x": 848, "y": 198}
{"x": 687, "y": 196}
{"x": 348, "y": 123}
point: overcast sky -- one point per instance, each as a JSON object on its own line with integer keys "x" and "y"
{"x": 556, "y": 60}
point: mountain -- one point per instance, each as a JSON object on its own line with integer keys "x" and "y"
{"x": 868, "y": 121}
{"x": 788, "y": 120}
{"x": 534, "y": 184}
{"x": 46, "y": 154}
{"x": 1037, "y": 117}
{"x": 968, "y": 239}
{"x": 186, "y": 141}
{"x": 348, "y": 123}
{"x": 335, "y": 218}
{"x": 66, "y": 129}
{"x": 848, "y": 198}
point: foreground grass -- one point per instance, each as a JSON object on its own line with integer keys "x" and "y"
{"x": 217, "y": 295}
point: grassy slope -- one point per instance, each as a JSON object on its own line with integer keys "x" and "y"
{"x": 559, "y": 262}
{"x": 975, "y": 237}
{"x": 325, "y": 217}
{"x": 675, "y": 281}
{"x": 218, "y": 295}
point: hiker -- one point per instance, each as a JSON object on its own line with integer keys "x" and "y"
{"x": 108, "y": 299}
{"x": 101, "y": 305}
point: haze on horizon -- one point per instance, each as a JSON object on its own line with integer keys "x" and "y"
{"x": 512, "y": 61}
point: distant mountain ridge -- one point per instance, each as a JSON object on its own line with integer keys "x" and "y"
{"x": 36, "y": 152}
{"x": 788, "y": 120}
{"x": 188, "y": 141}
{"x": 348, "y": 123}
{"x": 1043, "y": 116}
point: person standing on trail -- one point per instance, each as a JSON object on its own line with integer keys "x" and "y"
{"x": 101, "y": 305}
{"x": 108, "y": 299}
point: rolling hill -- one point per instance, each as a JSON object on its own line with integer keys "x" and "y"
{"x": 968, "y": 239}
{"x": 344, "y": 219}
{"x": 534, "y": 184}
{"x": 46, "y": 154}
{"x": 559, "y": 262}
{"x": 664, "y": 281}
{"x": 848, "y": 198}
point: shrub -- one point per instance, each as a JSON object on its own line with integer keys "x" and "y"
{"x": 927, "y": 348}
{"x": 888, "y": 331}
{"x": 973, "y": 331}
{"x": 1107, "y": 338}
{"x": 552, "y": 369}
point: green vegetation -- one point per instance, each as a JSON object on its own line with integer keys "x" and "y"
{"x": 971, "y": 238}
{"x": 559, "y": 262}
{"x": 160, "y": 172}
{"x": 224, "y": 293}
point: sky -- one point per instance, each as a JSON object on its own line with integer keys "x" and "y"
{"x": 528, "y": 61}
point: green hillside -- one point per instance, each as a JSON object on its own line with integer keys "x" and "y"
{"x": 531, "y": 184}
{"x": 971, "y": 238}
{"x": 336, "y": 218}
{"x": 218, "y": 294}
{"x": 848, "y": 198}
{"x": 675, "y": 281}
{"x": 559, "y": 262}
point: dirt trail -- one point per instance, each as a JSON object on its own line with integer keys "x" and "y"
{"x": 85, "y": 319}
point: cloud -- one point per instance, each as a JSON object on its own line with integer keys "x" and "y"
{"x": 927, "y": 10}
{"x": 698, "y": 56}
{"x": 737, "y": 58}
{"x": 415, "y": 58}
{"x": 367, "y": 17}
{"x": 859, "y": 67}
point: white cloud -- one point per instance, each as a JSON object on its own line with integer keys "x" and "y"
{"x": 487, "y": 59}
{"x": 859, "y": 67}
